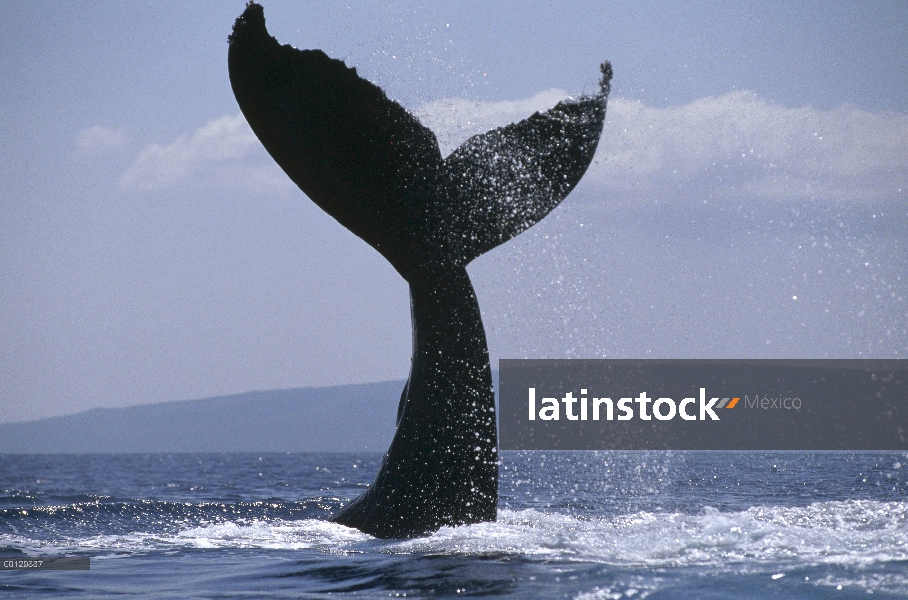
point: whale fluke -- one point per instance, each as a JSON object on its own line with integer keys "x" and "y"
{"x": 378, "y": 171}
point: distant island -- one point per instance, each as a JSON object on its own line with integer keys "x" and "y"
{"x": 346, "y": 418}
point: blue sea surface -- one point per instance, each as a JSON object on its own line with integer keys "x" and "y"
{"x": 586, "y": 525}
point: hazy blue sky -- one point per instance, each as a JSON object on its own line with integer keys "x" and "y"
{"x": 748, "y": 198}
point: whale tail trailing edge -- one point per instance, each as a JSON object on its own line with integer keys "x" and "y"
{"x": 503, "y": 182}
{"x": 377, "y": 170}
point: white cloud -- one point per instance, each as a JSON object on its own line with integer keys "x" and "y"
{"x": 741, "y": 144}
{"x": 95, "y": 141}
{"x": 731, "y": 146}
{"x": 222, "y": 154}
{"x": 728, "y": 146}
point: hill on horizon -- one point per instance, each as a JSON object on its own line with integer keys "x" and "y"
{"x": 345, "y": 418}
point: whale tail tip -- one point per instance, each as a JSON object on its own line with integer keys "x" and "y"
{"x": 253, "y": 18}
{"x": 605, "y": 82}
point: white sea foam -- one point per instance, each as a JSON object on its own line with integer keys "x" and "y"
{"x": 275, "y": 535}
{"x": 849, "y": 532}
{"x": 853, "y": 533}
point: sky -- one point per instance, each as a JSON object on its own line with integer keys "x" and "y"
{"x": 749, "y": 198}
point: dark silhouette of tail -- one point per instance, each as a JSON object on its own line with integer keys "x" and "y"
{"x": 376, "y": 169}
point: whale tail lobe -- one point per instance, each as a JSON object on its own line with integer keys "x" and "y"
{"x": 377, "y": 170}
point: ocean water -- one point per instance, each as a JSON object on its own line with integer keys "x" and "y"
{"x": 586, "y": 525}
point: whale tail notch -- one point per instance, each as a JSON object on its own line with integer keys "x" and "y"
{"x": 378, "y": 171}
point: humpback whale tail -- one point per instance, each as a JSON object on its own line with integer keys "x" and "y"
{"x": 377, "y": 170}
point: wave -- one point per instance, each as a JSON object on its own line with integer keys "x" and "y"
{"x": 102, "y": 511}
{"x": 853, "y": 533}
{"x": 846, "y": 532}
